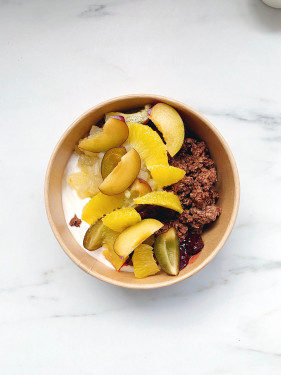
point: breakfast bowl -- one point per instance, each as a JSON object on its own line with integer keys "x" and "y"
{"x": 214, "y": 234}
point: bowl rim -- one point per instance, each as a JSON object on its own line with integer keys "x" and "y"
{"x": 173, "y": 280}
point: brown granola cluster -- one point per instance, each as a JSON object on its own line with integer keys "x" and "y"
{"x": 75, "y": 222}
{"x": 196, "y": 190}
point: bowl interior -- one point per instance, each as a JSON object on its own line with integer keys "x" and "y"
{"x": 214, "y": 237}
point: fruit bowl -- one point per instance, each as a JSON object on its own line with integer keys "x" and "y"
{"x": 214, "y": 236}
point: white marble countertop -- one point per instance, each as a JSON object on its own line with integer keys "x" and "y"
{"x": 57, "y": 60}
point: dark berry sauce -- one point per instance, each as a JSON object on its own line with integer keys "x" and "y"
{"x": 192, "y": 244}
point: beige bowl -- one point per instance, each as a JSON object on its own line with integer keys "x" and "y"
{"x": 214, "y": 237}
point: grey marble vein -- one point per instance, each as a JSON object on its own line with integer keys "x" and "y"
{"x": 94, "y": 10}
{"x": 272, "y": 122}
{"x": 259, "y": 351}
{"x": 267, "y": 266}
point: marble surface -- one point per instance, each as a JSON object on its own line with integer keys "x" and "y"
{"x": 57, "y": 60}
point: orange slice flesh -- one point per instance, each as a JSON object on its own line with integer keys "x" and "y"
{"x": 121, "y": 219}
{"x": 161, "y": 198}
{"x": 144, "y": 262}
{"x": 101, "y": 205}
{"x": 148, "y": 144}
{"x": 166, "y": 175}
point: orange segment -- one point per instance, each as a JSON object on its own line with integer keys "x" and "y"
{"x": 114, "y": 259}
{"x": 161, "y": 198}
{"x": 121, "y": 219}
{"x": 144, "y": 262}
{"x": 148, "y": 144}
{"x": 101, "y": 205}
{"x": 109, "y": 237}
{"x": 166, "y": 175}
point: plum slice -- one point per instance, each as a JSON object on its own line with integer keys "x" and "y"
{"x": 110, "y": 160}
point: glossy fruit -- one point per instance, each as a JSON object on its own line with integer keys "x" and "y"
{"x": 119, "y": 220}
{"x": 101, "y": 205}
{"x": 139, "y": 188}
{"x": 108, "y": 238}
{"x": 95, "y": 130}
{"x": 85, "y": 183}
{"x": 84, "y": 152}
{"x": 110, "y": 160}
{"x": 148, "y": 144}
{"x": 119, "y": 117}
{"x": 114, "y": 134}
{"x": 166, "y": 175}
{"x": 133, "y": 236}
{"x": 144, "y": 262}
{"x": 94, "y": 236}
{"x": 123, "y": 175}
{"x": 170, "y": 124}
{"x": 140, "y": 116}
{"x": 167, "y": 251}
{"x": 89, "y": 163}
{"x": 161, "y": 198}
{"x": 114, "y": 259}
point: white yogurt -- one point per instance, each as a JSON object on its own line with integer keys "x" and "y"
{"x": 72, "y": 205}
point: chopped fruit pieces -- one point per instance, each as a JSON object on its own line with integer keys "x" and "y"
{"x": 84, "y": 152}
{"x": 121, "y": 219}
{"x": 161, "y": 198}
{"x": 87, "y": 181}
{"x": 123, "y": 175}
{"x": 144, "y": 262}
{"x": 114, "y": 133}
{"x": 139, "y": 188}
{"x": 167, "y": 251}
{"x": 170, "y": 124}
{"x": 140, "y": 116}
{"x": 114, "y": 259}
{"x": 148, "y": 144}
{"x": 93, "y": 237}
{"x": 101, "y": 205}
{"x": 95, "y": 130}
{"x": 133, "y": 236}
{"x": 166, "y": 175}
{"x": 110, "y": 160}
{"x": 86, "y": 184}
{"x": 124, "y": 167}
{"x": 88, "y": 162}
{"x": 108, "y": 238}
{"x": 118, "y": 117}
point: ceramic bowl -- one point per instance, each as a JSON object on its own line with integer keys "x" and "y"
{"x": 214, "y": 236}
